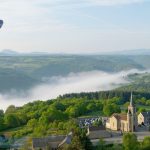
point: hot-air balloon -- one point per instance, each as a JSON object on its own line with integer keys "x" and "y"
{"x": 1, "y": 23}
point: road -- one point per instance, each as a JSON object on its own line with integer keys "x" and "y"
{"x": 118, "y": 139}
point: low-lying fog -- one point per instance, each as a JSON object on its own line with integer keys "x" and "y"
{"x": 73, "y": 83}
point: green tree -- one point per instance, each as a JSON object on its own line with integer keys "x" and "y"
{"x": 73, "y": 111}
{"x": 101, "y": 144}
{"x": 40, "y": 130}
{"x": 146, "y": 144}
{"x": 59, "y": 106}
{"x": 90, "y": 107}
{"x": 76, "y": 143}
{"x": 86, "y": 143}
{"x": 109, "y": 109}
{"x": 11, "y": 120}
{"x": 10, "y": 109}
{"x": 22, "y": 117}
{"x": 60, "y": 125}
{"x": 130, "y": 141}
{"x": 32, "y": 123}
{"x": 2, "y": 126}
{"x": 141, "y": 110}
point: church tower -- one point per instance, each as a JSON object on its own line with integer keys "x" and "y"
{"x": 131, "y": 116}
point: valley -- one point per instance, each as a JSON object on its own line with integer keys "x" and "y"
{"x": 33, "y": 70}
{"x": 46, "y": 95}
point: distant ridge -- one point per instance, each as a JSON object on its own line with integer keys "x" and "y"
{"x": 8, "y": 52}
{"x": 132, "y": 52}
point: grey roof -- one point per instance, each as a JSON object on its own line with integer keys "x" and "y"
{"x": 67, "y": 140}
{"x": 94, "y": 128}
{"x": 99, "y": 134}
{"x": 146, "y": 114}
{"x": 42, "y": 142}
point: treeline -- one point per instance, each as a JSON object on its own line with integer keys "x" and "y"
{"x": 123, "y": 95}
{"x": 41, "y": 117}
{"x": 140, "y": 83}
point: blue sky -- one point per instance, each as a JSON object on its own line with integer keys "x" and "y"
{"x": 75, "y": 26}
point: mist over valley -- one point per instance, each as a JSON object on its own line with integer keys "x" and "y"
{"x": 27, "y": 78}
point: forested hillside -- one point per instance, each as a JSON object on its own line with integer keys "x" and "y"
{"x": 55, "y": 116}
{"x": 139, "y": 82}
{"x": 12, "y": 79}
{"x": 22, "y": 72}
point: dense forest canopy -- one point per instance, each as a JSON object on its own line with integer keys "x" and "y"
{"x": 53, "y": 116}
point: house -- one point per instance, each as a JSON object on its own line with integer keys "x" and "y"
{"x": 117, "y": 122}
{"x": 124, "y": 122}
{"x": 51, "y": 142}
{"x": 97, "y": 132}
{"x": 144, "y": 118}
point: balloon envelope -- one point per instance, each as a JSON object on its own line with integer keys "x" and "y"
{"x": 1, "y": 23}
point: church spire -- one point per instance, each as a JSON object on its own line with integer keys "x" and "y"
{"x": 131, "y": 100}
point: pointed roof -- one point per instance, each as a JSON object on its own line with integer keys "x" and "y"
{"x": 120, "y": 116}
{"x": 131, "y": 100}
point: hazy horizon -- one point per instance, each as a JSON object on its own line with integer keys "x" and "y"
{"x": 76, "y": 53}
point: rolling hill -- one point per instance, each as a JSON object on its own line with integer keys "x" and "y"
{"x": 22, "y": 72}
{"x": 139, "y": 83}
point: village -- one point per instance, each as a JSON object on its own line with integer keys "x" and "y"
{"x": 110, "y": 129}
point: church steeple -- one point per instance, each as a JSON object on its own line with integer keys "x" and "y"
{"x": 131, "y": 100}
{"x": 131, "y": 115}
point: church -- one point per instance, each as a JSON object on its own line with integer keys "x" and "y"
{"x": 124, "y": 122}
